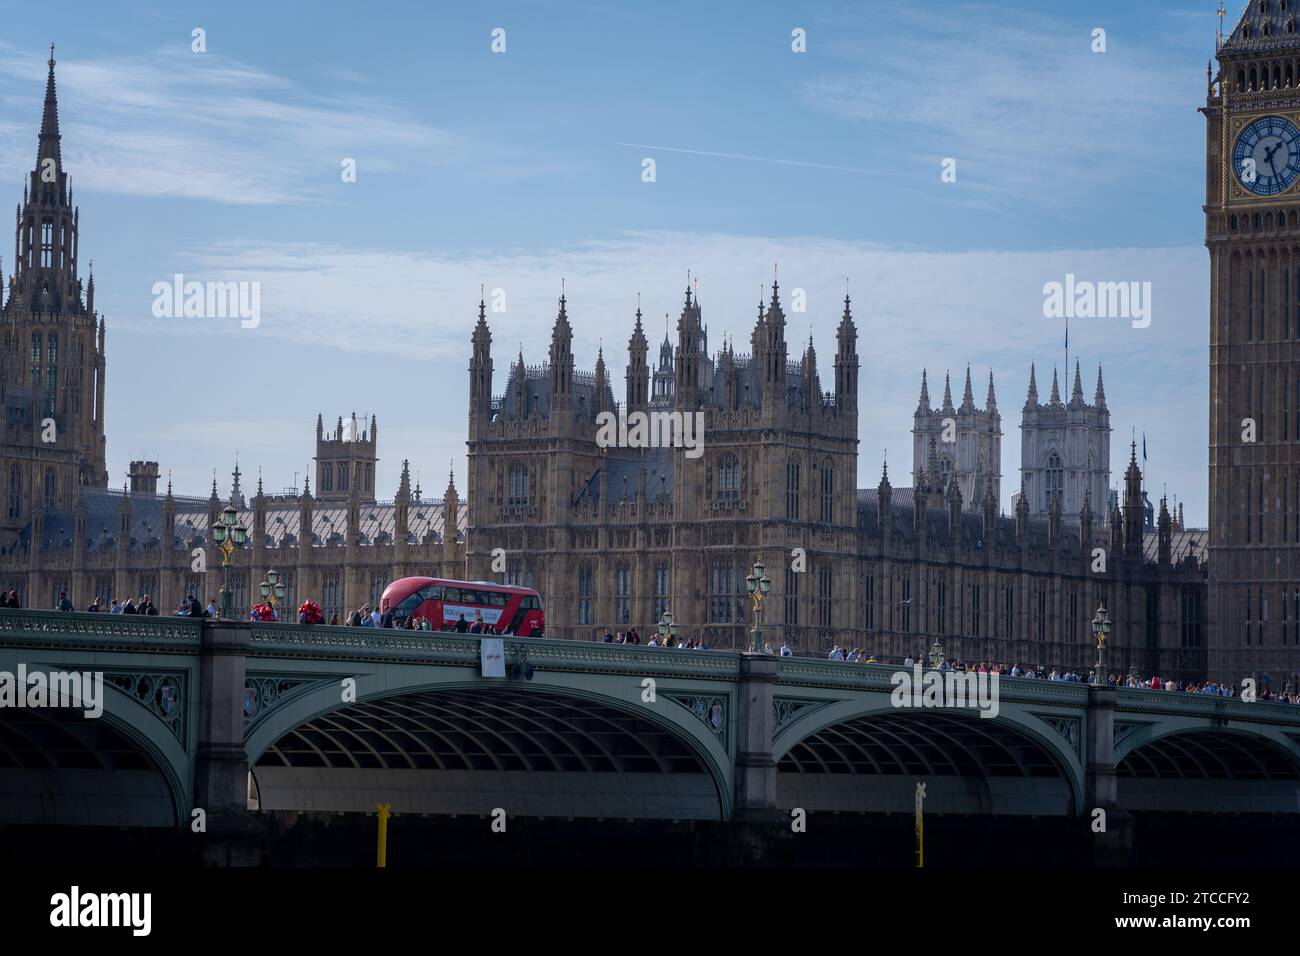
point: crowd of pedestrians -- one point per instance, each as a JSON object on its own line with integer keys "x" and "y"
{"x": 669, "y": 640}
{"x": 1069, "y": 675}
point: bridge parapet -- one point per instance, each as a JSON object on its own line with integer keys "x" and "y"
{"x": 437, "y": 647}
{"x": 798, "y": 671}
{"x": 104, "y": 631}
{"x": 1182, "y": 704}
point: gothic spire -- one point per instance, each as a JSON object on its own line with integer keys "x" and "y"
{"x": 1099, "y": 399}
{"x": 48, "y": 143}
{"x": 968, "y": 397}
{"x": 990, "y": 401}
{"x": 1032, "y": 398}
{"x": 1076, "y": 394}
{"x": 1056, "y": 392}
{"x": 947, "y": 393}
{"x": 924, "y": 403}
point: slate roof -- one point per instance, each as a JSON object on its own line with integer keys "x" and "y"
{"x": 1265, "y": 25}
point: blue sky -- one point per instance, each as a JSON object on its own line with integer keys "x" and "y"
{"x": 506, "y": 169}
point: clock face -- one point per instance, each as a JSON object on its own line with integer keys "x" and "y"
{"x": 1266, "y": 159}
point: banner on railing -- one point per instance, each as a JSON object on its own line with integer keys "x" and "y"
{"x": 492, "y": 657}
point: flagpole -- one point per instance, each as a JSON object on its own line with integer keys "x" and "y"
{"x": 1067, "y": 347}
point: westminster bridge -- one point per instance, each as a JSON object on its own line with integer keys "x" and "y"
{"x": 227, "y": 716}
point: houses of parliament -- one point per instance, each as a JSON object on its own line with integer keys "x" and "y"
{"x": 614, "y": 536}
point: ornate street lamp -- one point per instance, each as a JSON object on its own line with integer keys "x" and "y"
{"x": 666, "y": 629}
{"x": 1101, "y": 630}
{"x": 758, "y": 585}
{"x": 272, "y": 589}
{"x": 230, "y": 537}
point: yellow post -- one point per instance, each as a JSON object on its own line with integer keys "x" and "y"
{"x": 920, "y": 825}
{"x": 382, "y": 855}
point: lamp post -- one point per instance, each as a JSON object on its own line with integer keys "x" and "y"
{"x": 936, "y": 654}
{"x": 758, "y": 585}
{"x": 272, "y": 589}
{"x": 230, "y": 537}
{"x": 1101, "y": 630}
{"x": 666, "y": 629}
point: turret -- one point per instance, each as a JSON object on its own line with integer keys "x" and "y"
{"x": 561, "y": 363}
{"x": 846, "y": 361}
{"x": 638, "y": 372}
{"x": 1164, "y": 531}
{"x": 884, "y": 509}
{"x": 1134, "y": 507}
{"x": 450, "y": 523}
{"x": 480, "y": 368}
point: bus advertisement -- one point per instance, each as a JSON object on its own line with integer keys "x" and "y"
{"x": 445, "y": 604}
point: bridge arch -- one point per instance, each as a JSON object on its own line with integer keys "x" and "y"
{"x": 123, "y": 768}
{"x": 1181, "y": 764}
{"x": 447, "y": 744}
{"x": 851, "y": 757}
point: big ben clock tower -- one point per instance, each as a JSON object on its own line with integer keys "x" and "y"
{"x": 1252, "y": 231}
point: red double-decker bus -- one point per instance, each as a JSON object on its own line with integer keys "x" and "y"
{"x": 503, "y": 608}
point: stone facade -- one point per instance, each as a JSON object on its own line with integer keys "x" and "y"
{"x": 967, "y": 440}
{"x": 1065, "y": 448}
{"x": 1253, "y": 238}
{"x": 613, "y": 535}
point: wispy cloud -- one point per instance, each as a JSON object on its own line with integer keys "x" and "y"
{"x": 1024, "y": 105}
{"x": 205, "y": 126}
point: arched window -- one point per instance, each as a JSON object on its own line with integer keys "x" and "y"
{"x": 47, "y": 243}
{"x": 1053, "y": 485}
{"x": 51, "y": 373}
{"x": 36, "y": 360}
{"x": 343, "y": 476}
{"x": 728, "y": 478}
{"x": 518, "y": 488}
{"x": 15, "y": 491}
{"x": 792, "y": 489}
{"x": 945, "y": 473}
{"x": 828, "y": 492}
{"x": 51, "y": 490}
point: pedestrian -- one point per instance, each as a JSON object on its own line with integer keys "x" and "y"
{"x": 147, "y": 605}
{"x": 386, "y": 619}
{"x": 64, "y": 604}
{"x": 97, "y": 605}
{"x": 787, "y": 650}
